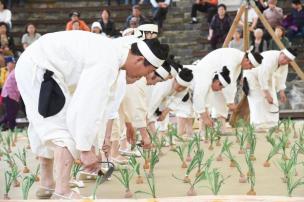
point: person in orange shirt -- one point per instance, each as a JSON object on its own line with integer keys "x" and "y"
{"x": 206, "y": 6}
{"x": 75, "y": 17}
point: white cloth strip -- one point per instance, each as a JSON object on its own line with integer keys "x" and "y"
{"x": 149, "y": 55}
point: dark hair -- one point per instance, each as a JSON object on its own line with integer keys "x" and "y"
{"x": 222, "y": 5}
{"x": 159, "y": 50}
{"x": 4, "y": 4}
{"x": 7, "y": 27}
{"x": 224, "y": 73}
{"x": 186, "y": 74}
{"x": 215, "y": 78}
{"x": 297, "y": 2}
{"x": 106, "y": 10}
{"x": 257, "y": 56}
{"x": 293, "y": 51}
{"x": 136, "y": 7}
{"x": 281, "y": 28}
{"x": 27, "y": 25}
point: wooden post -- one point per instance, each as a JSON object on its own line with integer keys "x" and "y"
{"x": 276, "y": 39}
{"x": 234, "y": 26}
{"x": 246, "y": 30}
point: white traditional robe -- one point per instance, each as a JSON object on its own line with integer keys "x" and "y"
{"x": 268, "y": 76}
{"x": 204, "y": 73}
{"x": 85, "y": 61}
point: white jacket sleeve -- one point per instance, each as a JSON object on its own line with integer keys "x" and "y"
{"x": 264, "y": 76}
{"x": 200, "y": 95}
{"x": 281, "y": 78}
{"x": 87, "y": 107}
{"x": 230, "y": 91}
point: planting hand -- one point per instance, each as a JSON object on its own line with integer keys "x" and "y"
{"x": 232, "y": 107}
{"x": 89, "y": 160}
{"x": 268, "y": 97}
{"x": 207, "y": 120}
{"x": 283, "y": 97}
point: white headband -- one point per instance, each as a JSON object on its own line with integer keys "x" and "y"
{"x": 222, "y": 80}
{"x": 181, "y": 82}
{"x": 149, "y": 55}
{"x": 148, "y": 28}
{"x": 173, "y": 72}
{"x": 162, "y": 72}
{"x": 128, "y": 31}
{"x": 252, "y": 59}
{"x": 288, "y": 54}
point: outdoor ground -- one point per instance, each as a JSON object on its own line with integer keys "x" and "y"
{"x": 268, "y": 180}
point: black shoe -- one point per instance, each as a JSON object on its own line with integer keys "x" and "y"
{"x": 194, "y": 22}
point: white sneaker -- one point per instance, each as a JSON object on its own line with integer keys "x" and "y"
{"x": 129, "y": 152}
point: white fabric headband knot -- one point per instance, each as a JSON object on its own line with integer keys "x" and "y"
{"x": 221, "y": 78}
{"x": 252, "y": 58}
{"x": 182, "y": 82}
{"x": 288, "y": 54}
{"x": 149, "y": 55}
{"x": 162, "y": 72}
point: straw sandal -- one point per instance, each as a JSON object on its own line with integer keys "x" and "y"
{"x": 82, "y": 175}
{"x": 44, "y": 192}
{"x": 56, "y": 196}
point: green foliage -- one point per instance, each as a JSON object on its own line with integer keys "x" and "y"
{"x": 27, "y": 183}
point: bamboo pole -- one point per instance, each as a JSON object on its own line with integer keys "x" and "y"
{"x": 246, "y": 30}
{"x": 234, "y": 26}
{"x": 276, "y": 39}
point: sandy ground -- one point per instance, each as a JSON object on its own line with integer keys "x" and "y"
{"x": 268, "y": 180}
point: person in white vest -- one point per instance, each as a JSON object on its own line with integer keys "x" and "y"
{"x": 235, "y": 60}
{"x": 264, "y": 83}
{"x": 63, "y": 125}
{"x": 204, "y": 86}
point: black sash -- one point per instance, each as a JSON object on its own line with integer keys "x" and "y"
{"x": 51, "y": 97}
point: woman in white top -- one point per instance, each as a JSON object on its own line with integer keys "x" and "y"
{"x": 30, "y": 36}
{"x": 5, "y": 14}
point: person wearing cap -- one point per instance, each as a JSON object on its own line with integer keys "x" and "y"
{"x": 235, "y": 60}
{"x": 56, "y": 77}
{"x": 265, "y": 82}
{"x": 97, "y": 29}
{"x": 75, "y": 16}
{"x": 11, "y": 96}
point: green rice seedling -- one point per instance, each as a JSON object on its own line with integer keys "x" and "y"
{"x": 207, "y": 164}
{"x": 239, "y": 125}
{"x": 242, "y": 137}
{"x": 8, "y": 158}
{"x": 250, "y": 174}
{"x": 172, "y": 133}
{"x": 270, "y": 138}
{"x": 283, "y": 139}
{"x": 145, "y": 154}
{"x": 228, "y": 154}
{"x": 15, "y": 175}
{"x": 151, "y": 184}
{"x": 242, "y": 178}
{"x": 251, "y": 141}
{"x": 274, "y": 150}
{"x": 199, "y": 155}
{"x": 97, "y": 183}
{"x": 198, "y": 178}
{"x": 301, "y": 133}
{"x": 36, "y": 173}
{"x": 27, "y": 183}
{"x": 180, "y": 150}
{"x": 22, "y": 157}
{"x": 295, "y": 132}
{"x": 225, "y": 144}
{"x": 125, "y": 178}
{"x": 190, "y": 146}
{"x": 292, "y": 184}
{"x": 197, "y": 140}
{"x": 76, "y": 168}
{"x": 212, "y": 138}
{"x": 287, "y": 165}
{"x": 158, "y": 142}
{"x": 8, "y": 142}
{"x": 193, "y": 164}
{"x": 153, "y": 160}
{"x": 8, "y": 178}
{"x": 218, "y": 133}
{"x": 215, "y": 180}
{"x": 136, "y": 166}
{"x": 208, "y": 131}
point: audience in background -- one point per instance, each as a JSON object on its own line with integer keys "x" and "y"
{"x": 259, "y": 43}
{"x": 206, "y": 6}
{"x": 136, "y": 12}
{"x": 252, "y": 19}
{"x": 237, "y": 41}
{"x": 97, "y": 29}
{"x": 295, "y": 21}
{"x": 219, "y": 26}
{"x": 5, "y": 14}
{"x": 159, "y": 11}
{"x": 11, "y": 97}
{"x": 280, "y": 33}
{"x": 30, "y": 35}
{"x": 7, "y": 45}
{"x": 108, "y": 26}
{"x": 75, "y": 16}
